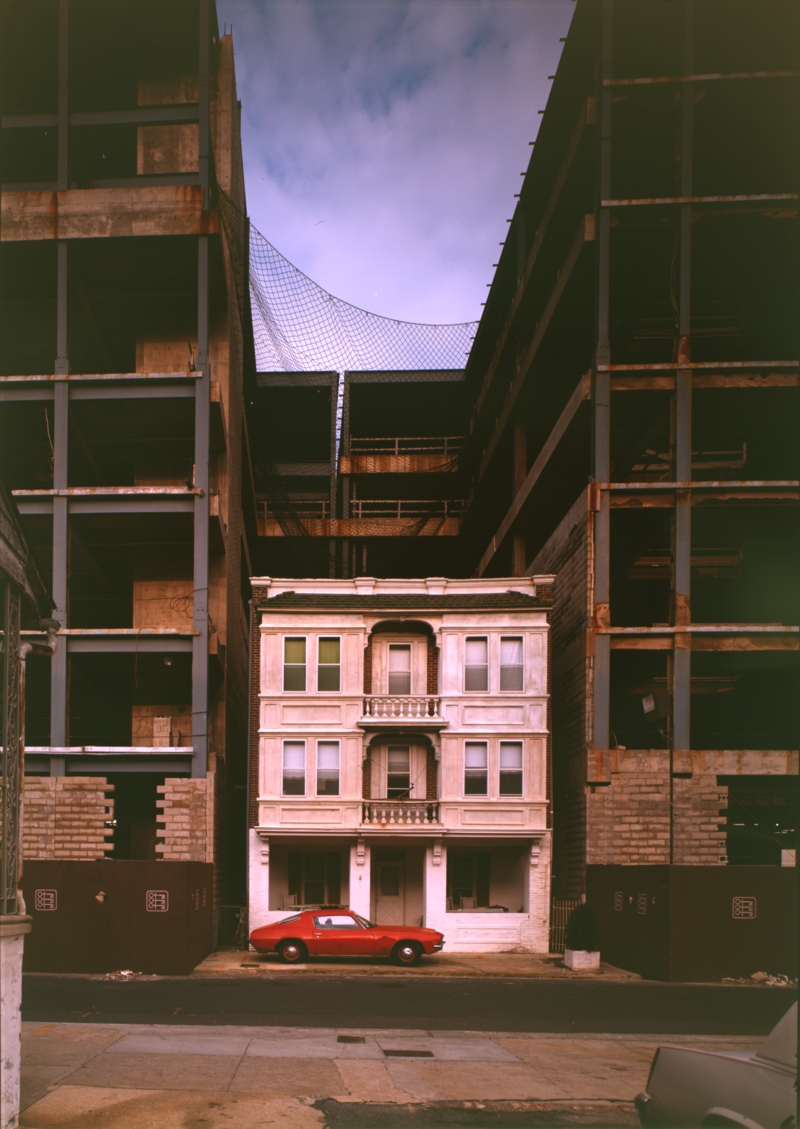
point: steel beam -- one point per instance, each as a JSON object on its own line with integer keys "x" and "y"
{"x": 131, "y": 645}
{"x": 204, "y": 106}
{"x": 202, "y": 421}
{"x": 63, "y": 95}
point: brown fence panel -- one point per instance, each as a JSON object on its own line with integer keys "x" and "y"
{"x": 106, "y": 915}
{"x": 696, "y": 923}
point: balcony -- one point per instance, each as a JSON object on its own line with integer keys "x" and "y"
{"x": 401, "y": 711}
{"x": 399, "y": 813}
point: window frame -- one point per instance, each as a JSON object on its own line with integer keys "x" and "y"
{"x": 511, "y": 795}
{"x": 480, "y": 795}
{"x": 409, "y": 647}
{"x": 476, "y": 639}
{"x": 326, "y": 638}
{"x": 328, "y": 741}
{"x": 284, "y": 665}
{"x": 501, "y": 668}
{"x": 293, "y": 741}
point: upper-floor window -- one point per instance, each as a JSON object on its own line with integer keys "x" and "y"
{"x": 294, "y": 768}
{"x": 294, "y": 663}
{"x": 329, "y": 663}
{"x": 327, "y": 768}
{"x": 399, "y": 668}
{"x": 510, "y": 768}
{"x": 476, "y": 768}
{"x": 511, "y": 662}
{"x": 476, "y": 672}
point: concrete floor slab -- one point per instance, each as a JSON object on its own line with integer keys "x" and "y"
{"x": 291, "y": 1077}
{"x": 36, "y": 1081}
{"x": 65, "y": 1044}
{"x": 157, "y": 1072}
{"x": 471, "y": 1081}
{"x": 78, "y": 1107}
{"x": 325, "y": 1046}
{"x": 369, "y": 1082}
{"x": 467, "y": 1049}
{"x": 199, "y": 1041}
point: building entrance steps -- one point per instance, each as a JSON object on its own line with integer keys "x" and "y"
{"x": 125, "y": 1076}
{"x": 538, "y": 965}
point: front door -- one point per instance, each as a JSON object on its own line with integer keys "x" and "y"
{"x": 390, "y": 908}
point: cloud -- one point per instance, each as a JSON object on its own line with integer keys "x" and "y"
{"x": 383, "y": 139}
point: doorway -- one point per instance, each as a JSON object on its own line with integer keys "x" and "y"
{"x": 391, "y": 893}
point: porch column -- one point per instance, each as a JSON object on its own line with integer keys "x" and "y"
{"x": 360, "y": 869}
{"x": 434, "y": 886}
{"x": 259, "y": 880}
{"x": 536, "y": 897}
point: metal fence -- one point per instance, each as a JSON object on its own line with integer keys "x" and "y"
{"x": 559, "y": 915}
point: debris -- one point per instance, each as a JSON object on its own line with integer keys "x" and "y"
{"x": 122, "y": 974}
{"x": 759, "y": 976}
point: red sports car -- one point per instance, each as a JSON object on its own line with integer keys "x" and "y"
{"x": 324, "y": 932}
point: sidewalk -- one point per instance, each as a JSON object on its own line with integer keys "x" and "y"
{"x": 123, "y": 1076}
{"x": 529, "y": 965}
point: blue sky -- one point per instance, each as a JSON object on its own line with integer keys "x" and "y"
{"x": 384, "y": 139}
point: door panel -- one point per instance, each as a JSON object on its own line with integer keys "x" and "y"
{"x": 390, "y": 907}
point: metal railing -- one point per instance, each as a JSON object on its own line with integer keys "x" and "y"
{"x": 559, "y": 916}
{"x": 399, "y": 813}
{"x": 405, "y": 507}
{"x": 407, "y": 445}
{"x": 403, "y": 708}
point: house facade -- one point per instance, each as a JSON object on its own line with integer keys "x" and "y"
{"x": 399, "y": 755}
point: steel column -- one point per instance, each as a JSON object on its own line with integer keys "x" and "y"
{"x": 10, "y": 721}
{"x": 59, "y": 673}
{"x": 349, "y": 567}
{"x": 204, "y": 106}
{"x": 332, "y": 495}
{"x": 202, "y": 415}
{"x": 63, "y": 95}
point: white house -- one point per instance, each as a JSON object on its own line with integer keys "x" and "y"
{"x": 399, "y": 755}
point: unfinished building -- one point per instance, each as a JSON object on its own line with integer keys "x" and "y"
{"x": 123, "y": 434}
{"x": 634, "y": 391}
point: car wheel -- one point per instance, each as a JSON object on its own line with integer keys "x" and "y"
{"x": 293, "y": 952}
{"x": 407, "y": 952}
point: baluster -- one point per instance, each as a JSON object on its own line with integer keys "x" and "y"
{"x": 425, "y": 813}
{"x": 391, "y": 815}
{"x": 375, "y": 814}
{"x": 416, "y": 813}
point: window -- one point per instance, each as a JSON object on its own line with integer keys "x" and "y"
{"x": 399, "y": 668}
{"x": 468, "y": 879}
{"x": 510, "y": 768}
{"x": 313, "y": 879}
{"x": 329, "y": 664}
{"x": 294, "y": 664}
{"x": 398, "y": 773}
{"x": 511, "y": 663}
{"x": 294, "y": 768}
{"x": 327, "y": 768}
{"x": 476, "y": 775}
{"x": 336, "y": 921}
{"x": 476, "y": 674}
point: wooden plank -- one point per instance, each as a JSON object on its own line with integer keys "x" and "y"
{"x": 366, "y": 527}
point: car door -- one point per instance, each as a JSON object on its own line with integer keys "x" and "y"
{"x": 341, "y": 934}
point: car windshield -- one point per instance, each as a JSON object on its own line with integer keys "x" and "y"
{"x": 364, "y": 922}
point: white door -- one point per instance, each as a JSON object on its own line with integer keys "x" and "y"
{"x": 390, "y": 907}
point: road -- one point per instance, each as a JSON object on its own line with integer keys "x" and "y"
{"x": 446, "y": 1004}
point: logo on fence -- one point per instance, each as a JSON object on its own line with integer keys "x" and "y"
{"x": 44, "y": 900}
{"x": 618, "y": 899}
{"x": 744, "y": 908}
{"x": 157, "y": 901}
{"x": 197, "y": 899}
{"x": 204, "y": 895}
{"x": 641, "y": 903}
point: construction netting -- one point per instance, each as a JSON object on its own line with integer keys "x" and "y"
{"x": 306, "y": 338}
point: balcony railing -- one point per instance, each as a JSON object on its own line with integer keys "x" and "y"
{"x": 406, "y": 445}
{"x": 403, "y": 708}
{"x": 399, "y": 813}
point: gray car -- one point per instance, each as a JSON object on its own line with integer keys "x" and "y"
{"x": 754, "y": 1089}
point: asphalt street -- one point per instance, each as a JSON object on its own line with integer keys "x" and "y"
{"x": 457, "y": 1004}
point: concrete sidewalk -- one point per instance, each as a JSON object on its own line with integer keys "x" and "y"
{"x": 530, "y": 965}
{"x": 123, "y": 1076}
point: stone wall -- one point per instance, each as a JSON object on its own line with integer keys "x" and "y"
{"x": 64, "y": 817}
{"x": 187, "y": 815}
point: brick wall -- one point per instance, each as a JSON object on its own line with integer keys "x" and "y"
{"x": 629, "y": 820}
{"x": 567, "y": 555}
{"x": 366, "y": 779}
{"x": 64, "y": 817}
{"x": 368, "y": 667}
{"x": 433, "y": 667}
{"x": 432, "y": 774}
{"x": 187, "y": 816}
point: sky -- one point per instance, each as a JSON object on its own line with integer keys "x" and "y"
{"x": 383, "y": 140}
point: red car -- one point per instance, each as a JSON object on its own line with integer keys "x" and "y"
{"x": 339, "y": 932}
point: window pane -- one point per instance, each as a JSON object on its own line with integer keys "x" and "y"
{"x": 476, "y": 652}
{"x": 477, "y": 678}
{"x": 329, "y": 650}
{"x": 476, "y": 673}
{"x": 390, "y": 881}
{"x": 475, "y": 772}
{"x": 294, "y": 678}
{"x": 511, "y": 664}
{"x": 510, "y": 768}
{"x": 294, "y": 768}
{"x": 328, "y": 678}
{"x": 399, "y": 759}
{"x": 327, "y": 768}
{"x": 399, "y": 657}
{"x": 399, "y": 682}
{"x": 294, "y": 650}
{"x": 398, "y": 774}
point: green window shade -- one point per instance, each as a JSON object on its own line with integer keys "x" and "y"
{"x": 329, "y": 664}
{"x": 294, "y": 664}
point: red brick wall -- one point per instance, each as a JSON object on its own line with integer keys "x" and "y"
{"x": 433, "y": 667}
{"x": 431, "y": 780}
{"x": 366, "y": 779}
